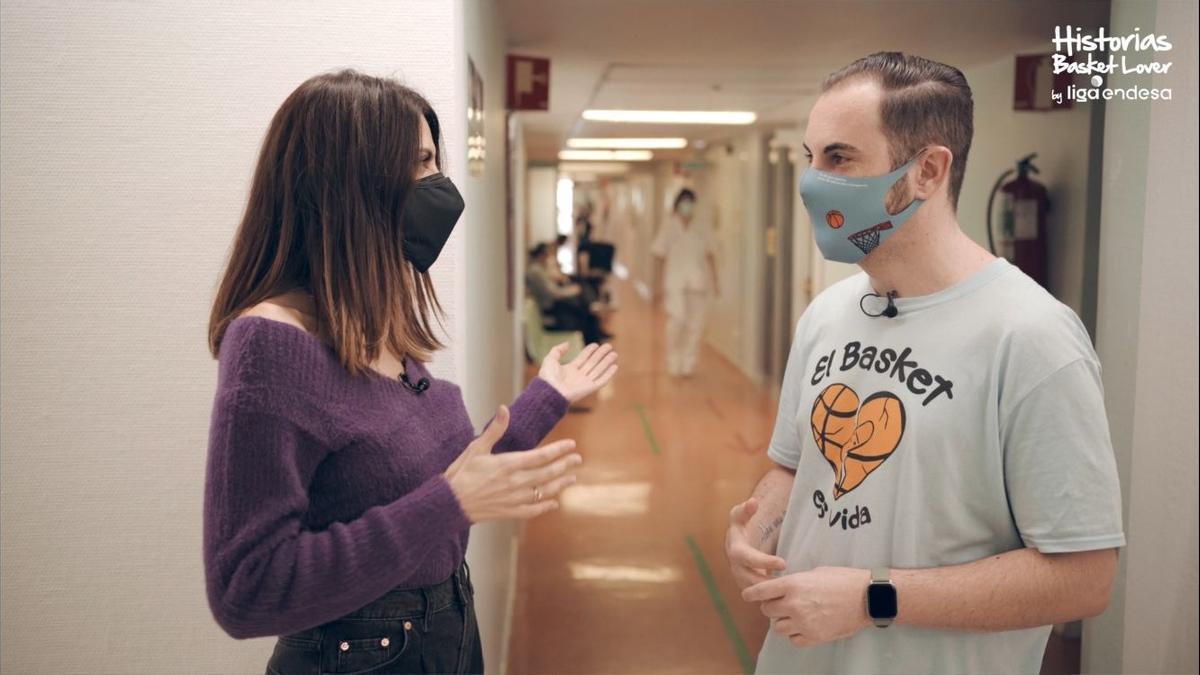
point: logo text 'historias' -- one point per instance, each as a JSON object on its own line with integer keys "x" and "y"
{"x": 1106, "y": 55}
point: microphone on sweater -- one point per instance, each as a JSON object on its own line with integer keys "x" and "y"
{"x": 421, "y": 385}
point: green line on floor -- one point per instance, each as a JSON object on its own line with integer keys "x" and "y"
{"x": 731, "y": 630}
{"x": 646, "y": 427}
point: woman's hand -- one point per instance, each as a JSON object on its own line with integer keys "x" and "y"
{"x": 512, "y": 484}
{"x": 590, "y": 370}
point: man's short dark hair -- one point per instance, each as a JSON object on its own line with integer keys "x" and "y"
{"x": 924, "y": 103}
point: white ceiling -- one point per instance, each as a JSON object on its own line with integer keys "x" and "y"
{"x": 768, "y": 56}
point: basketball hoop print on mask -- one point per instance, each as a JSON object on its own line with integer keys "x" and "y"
{"x": 866, "y": 240}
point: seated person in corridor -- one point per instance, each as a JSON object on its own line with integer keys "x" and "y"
{"x": 563, "y": 303}
{"x": 589, "y": 285}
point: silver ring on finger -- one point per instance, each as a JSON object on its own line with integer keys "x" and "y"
{"x": 537, "y": 494}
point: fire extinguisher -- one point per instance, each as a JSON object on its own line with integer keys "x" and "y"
{"x": 1024, "y": 205}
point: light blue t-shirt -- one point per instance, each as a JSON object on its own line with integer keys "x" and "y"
{"x": 970, "y": 424}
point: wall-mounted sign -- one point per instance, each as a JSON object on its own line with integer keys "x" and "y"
{"x": 1036, "y": 84}
{"x": 476, "y": 140}
{"x": 528, "y": 83}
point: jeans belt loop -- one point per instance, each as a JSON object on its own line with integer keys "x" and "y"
{"x": 459, "y": 593}
{"x": 428, "y": 610}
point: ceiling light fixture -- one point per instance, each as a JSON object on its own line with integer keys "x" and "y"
{"x": 594, "y": 167}
{"x": 671, "y": 116}
{"x": 628, "y": 143}
{"x": 606, "y": 155}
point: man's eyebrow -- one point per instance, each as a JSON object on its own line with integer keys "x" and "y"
{"x": 840, "y": 147}
{"x": 833, "y": 147}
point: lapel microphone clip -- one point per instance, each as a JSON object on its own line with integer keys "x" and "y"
{"x": 890, "y": 311}
{"x": 421, "y": 385}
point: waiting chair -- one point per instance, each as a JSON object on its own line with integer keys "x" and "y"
{"x": 539, "y": 340}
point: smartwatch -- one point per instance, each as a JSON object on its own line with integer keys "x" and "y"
{"x": 882, "y": 606}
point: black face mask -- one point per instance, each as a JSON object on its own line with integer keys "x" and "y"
{"x": 430, "y": 212}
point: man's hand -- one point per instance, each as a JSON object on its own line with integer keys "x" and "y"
{"x": 748, "y": 564}
{"x": 814, "y": 607}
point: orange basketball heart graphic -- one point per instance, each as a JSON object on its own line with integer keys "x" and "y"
{"x": 855, "y": 437}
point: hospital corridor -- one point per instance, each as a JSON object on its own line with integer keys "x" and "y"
{"x": 629, "y": 575}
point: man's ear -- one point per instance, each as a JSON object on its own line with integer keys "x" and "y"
{"x": 933, "y": 171}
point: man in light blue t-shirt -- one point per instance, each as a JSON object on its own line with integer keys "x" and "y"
{"x": 945, "y": 488}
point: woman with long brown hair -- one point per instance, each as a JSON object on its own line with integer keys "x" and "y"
{"x": 342, "y": 477}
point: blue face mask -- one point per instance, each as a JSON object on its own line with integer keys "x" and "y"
{"x": 849, "y": 219}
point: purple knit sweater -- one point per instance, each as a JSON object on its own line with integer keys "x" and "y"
{"x": 323, "y": 491}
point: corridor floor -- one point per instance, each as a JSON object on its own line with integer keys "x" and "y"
{"x": 629, "y": 575}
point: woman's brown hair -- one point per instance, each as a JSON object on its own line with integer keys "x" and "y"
{"x": 324, "y": 215}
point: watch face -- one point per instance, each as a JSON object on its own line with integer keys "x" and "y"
{"x": 881, "y": 601}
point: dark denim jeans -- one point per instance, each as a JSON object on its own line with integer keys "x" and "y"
{"x": 422, "y": 630}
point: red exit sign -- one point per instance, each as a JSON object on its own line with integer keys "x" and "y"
{"x": 528, "y": 83}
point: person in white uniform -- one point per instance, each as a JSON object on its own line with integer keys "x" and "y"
{"x": 686, "y": 279}
{"x": 943, "y": 487}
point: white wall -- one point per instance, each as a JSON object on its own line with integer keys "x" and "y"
{"x": 518, "y": 175}
{"x": 667, "y": 184}
{"x": 129, "y": 135}
{"x": 724, "y": 196}
{"x": 634, "y": 238}
{"x": 753, "y": 227}
{"x": 487, "y": 347}
{"x": 1146, "y": 339}
{"x": 540, "y": 206}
